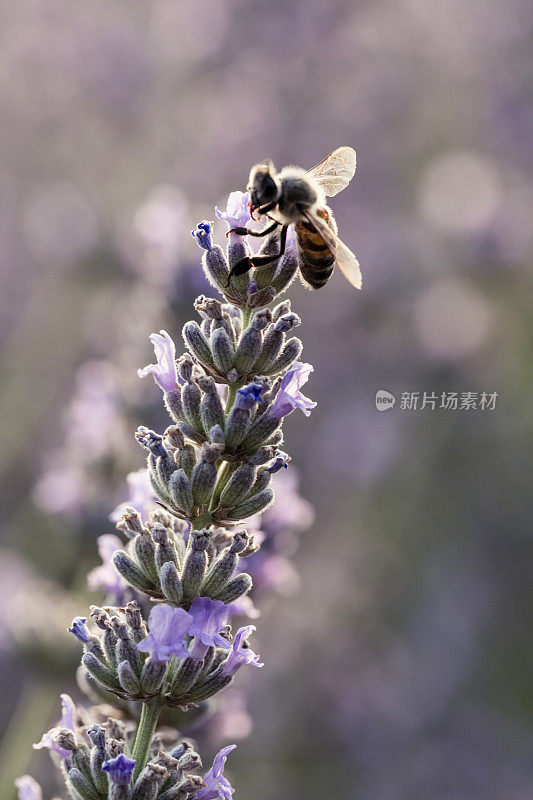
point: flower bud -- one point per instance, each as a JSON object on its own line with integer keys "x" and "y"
{"x": 128, "y": 679}
{"x": 116, "y": 747}
{"x": 260, "y": 431}
{"x": 130, "y": 522}
{"x": 262, "y": 481}
{"x": 286, "y": 269}
{"x": 126, "y": 647}
{"x": 98, "y": 755}
{"x": 66, "y": 739}
{"x": 238, "y": 485}
{"x": 261, "y": 298}
{"x": 149, "y": 781}
{"x": 237, "y": 250}
{"x": 109, "y": 640}
{"x": 185, "y": 368}
{"x": 237, "y": 426}
{"x": 222, "y": 350}
{"x": 195, "y": 564}
{"x": 186, "y": 675}
{"x": 211, "y": 411}
{"x": 144, "y": 548}
{"x": 209, "y": 307}
{"x": 180, "y": 491}
{"x": 187, "y": 459}
{"x": 173, "y": 404}
{"x": 165, "y": 549}
{"x": 99, "y": 671}
{"x": 290, "y": 353}
{"x": 216, "y": 267}
{"x": 216, "y": 435}
{"x": 131, "y": 573}
{"x": 82, "y": 786}
{"x": 223, "y": 567}
{"x": 240, "y": 585}
{"x": 134, "y": 620}
{"x": 197, "y": 343}
{"x": 190, "y": 398}
{"x": 213, "y": 684}
{"x": 190, "y": 433}
{"x": 250, "y": 344}
{"x": 282, "y": 308}
{"x": 254, "y": 505}
{"x": 204, "y": 476}
{"x": 262, "y": 455}
{"x": 152, "y": 675}
{"x": 171, "y": 583}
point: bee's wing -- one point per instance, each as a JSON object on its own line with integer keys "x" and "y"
{"x": 336, "y": 171}
{"x": 344, "y": 258}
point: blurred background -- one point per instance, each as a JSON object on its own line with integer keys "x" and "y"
{"x": 399, "y": 662}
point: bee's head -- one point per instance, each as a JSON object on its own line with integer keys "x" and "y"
{"x": 263, "y": 185}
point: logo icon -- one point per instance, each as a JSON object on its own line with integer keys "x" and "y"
{"x": 384, "y": 400}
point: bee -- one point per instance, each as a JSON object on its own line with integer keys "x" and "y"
{"x": 297, "y": 197}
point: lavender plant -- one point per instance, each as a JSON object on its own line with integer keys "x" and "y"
{"x": 166, "y": 645}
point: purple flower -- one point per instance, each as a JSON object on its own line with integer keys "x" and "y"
{"x": 120, "y": 769}
{"x": 79, "y": 629}
{"x": 216, "y": 785}
{"x": 141, "y": 496}
{"x": 289, "y": 396}
{"x": 202, "y": 234}
{"x": 28, "y": 788}
{"x": 239, "y": 653}
{"x": 67, "y": 721}
{"x": 167, "y": 627}
{"x": 237, "y": 213}
{"x": 209, "y": 617}
{"x": 248, "y": 396}
{"x": 165, "y": 372}
{"x": 105, "y": 576}
{"x": 280, "y": 460}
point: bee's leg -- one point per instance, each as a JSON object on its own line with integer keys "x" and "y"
{"x": 250, "y": 232}
{"x": 247, "y": 263}
{"x": 261, "y": 261}
{"x": 239, "y": 268}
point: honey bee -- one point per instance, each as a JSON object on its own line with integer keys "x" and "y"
{"x": 297, "y": 197}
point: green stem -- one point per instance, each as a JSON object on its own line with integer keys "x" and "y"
{"x": 145, "y": 731}
{"x": 232, "y": 394}
{"x": 246, "y": 314}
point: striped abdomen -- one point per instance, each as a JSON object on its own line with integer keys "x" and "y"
{"x": 315, "y": 258}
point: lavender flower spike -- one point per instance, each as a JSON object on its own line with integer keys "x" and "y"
{"x": 67, "y": 721}
{"x": 289, "y": 396}
{"x": 202, "y": 234}
{"x": 216, "y": 785}
{"x": 167, "y": 627}
{"x": 119, "y": 769}
{"x": 209, "y": 617}
{"x": 237, "y": 213}
{"x": 241, "y": 654}
{"x": 28, "y": 788}
{"x": 79, "y": 629}
{"x": 165, "y": 372}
